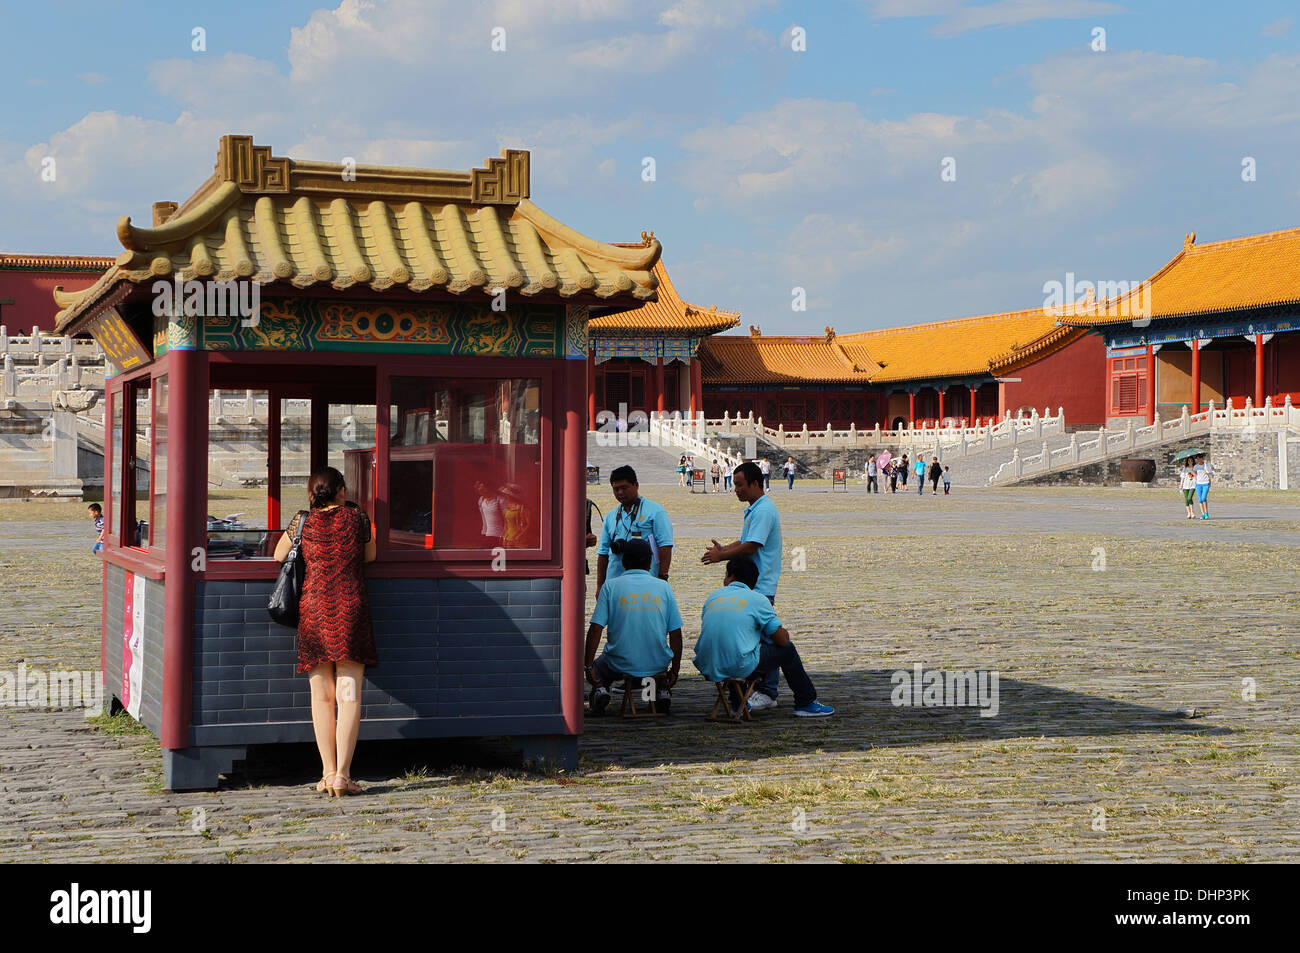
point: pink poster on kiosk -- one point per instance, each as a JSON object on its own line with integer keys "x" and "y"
{"x": 132, "y": 648}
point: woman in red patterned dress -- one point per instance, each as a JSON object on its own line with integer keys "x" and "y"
{"x": 335, "y": 641}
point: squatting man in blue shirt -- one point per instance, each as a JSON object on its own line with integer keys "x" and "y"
{"x": 760, "y": 540}
{"x": 645, "y": 632}
{"x": 734, "y": 621}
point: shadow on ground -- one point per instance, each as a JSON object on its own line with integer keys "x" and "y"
{"x": 865, "y": 718}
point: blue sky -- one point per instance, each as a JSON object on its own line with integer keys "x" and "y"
{"x": 775, "y": 168}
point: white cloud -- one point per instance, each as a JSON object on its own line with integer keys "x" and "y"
{"x": 1279, "y": 27}
{"x": 959, "y": 17}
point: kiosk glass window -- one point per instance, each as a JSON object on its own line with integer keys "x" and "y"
{"x": 138, "y": 457}
{"x": 158, "y": 530}
{"x": 465, "y": 463}
{"x": 238, "y": 472}
{"x": 111, "y": 521}
{"x": 295, "y": 456}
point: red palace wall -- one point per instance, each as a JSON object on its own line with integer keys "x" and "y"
{"x": 1074, "y": 378}
{"x": 33, "y": 297}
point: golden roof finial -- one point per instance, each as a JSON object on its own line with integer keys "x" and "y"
{"x": 1189, "y": 240}
{"x": 830, "y": 334}
{"x": 754, "y": 331}
{"x": 647, "y": 238}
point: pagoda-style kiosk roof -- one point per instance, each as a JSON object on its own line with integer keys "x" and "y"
{"x": 424, "y": 331}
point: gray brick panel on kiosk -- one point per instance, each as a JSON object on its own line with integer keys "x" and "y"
{"x": 151, "y": 696}
{"x": 448, "y": 649}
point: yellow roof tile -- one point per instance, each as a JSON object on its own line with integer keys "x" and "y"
{"x": 756, "y": 359}
{"x": 957, "y": 348}
{"x": 75, "y": 263}
{"x": 1252, "y": 272}
{"x": 667, "y": 313}
{"x": 270, "y": 218}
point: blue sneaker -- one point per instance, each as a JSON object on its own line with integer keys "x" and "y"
{"x": 814, "y": 710}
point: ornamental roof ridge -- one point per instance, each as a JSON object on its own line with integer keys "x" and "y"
{"x": 669, "y": 311}
{"x": 1190, "y": 244}
{"x": 996, "y": 316}
{"x": 90, "y": 263}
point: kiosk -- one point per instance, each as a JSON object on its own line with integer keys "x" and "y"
{"x": 425, "y": 332}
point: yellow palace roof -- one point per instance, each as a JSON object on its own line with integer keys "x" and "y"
{"x": 962, "y": 348}
{"x": 1252, "y": 272}
{"x": 667, "y": 313}
{"x": 756, "y": 359}
{"x": 269, "y": 218}
{"x": 950, "y": 348}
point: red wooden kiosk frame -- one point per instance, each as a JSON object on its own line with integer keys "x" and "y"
{"x": 470, "y": 644}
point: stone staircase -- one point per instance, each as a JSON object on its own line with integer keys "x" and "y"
{"x": 654, "y": 466}
{"x": 978, "y": 469}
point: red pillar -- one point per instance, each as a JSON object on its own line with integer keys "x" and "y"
{"x": 1151, "y": 385}
{"x": 911, "y": 407}
{"x": 941, "y": 392}
{"x": 591, "y": 390}
{"x": 1259, "y": 370}
{"x": 573, "y": 592}
{"x": 659, "y": 385}
{"x": 1196, "y": 376}
{"x": 973, "y": 392}
{"x": 697, "y": 385}
{"x": 187, "y": 478}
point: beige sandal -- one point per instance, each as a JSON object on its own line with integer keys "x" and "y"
{"x": 347, "y": 787}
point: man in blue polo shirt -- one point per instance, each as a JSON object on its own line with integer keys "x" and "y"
{"x": 645, "y": 631}
{"x": 741, "y": 637}
{"x": 634, "y": 518}
{"x": 760, "y": 540}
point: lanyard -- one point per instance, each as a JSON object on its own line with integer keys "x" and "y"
{"x": 623, "y": 512}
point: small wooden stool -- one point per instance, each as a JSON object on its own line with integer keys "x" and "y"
{"x": 743, "y": 687}
{"x": 632, "y": 688}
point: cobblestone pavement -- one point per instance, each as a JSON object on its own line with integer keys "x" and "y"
{"x": 1104, "y": 611}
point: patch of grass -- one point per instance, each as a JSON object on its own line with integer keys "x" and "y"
{"x": 761, "y": 793}
{"x": 118, "y": 724}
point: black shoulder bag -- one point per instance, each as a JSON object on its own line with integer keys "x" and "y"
{"x": 283, "y": 605}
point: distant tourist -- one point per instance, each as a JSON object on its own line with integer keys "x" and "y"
{"x": 519, "y": 521}
{"x": 716, "y": 472}
{"x": 873, "y": 475}
{"x": 918, "y": 469}
{"x": 1203, "y": 486}
{"x": 1187, "y": 483}
{"x": 491, "y": 508}
{"x": 947, "y": 481}
{"x": 97, "y": 514}
{"x": 766, "y": 469}
{"x": 726, "y": 478}
{"x": 903, "y": 470}
{"x": 892, "y": 469}
{"x": 789, "y": 467}
{"x": 936, "y": 472}
{"x": 681, "y": 470}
